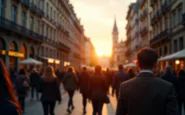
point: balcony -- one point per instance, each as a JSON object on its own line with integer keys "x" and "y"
{"x": 144, "y": 31}
{"x": 33, "y": 7}
{"x": 63, "y": 47}
{"x": 144, "y": 14}
{"x": 11, "y": 26}
{"x": 39, "y": 12}
{"x": 25, "y": 3}
{"x": 164, "y": 7}
{"x": 183, "y": 19}
{"x": 163, "y": 35}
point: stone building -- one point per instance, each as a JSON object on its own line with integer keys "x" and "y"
{"x": 46, "y": 30}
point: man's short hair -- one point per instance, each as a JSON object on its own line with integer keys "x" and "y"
{"x": 120, "y": 67}
{"x": 147, "y": 58}
{"x": 98, "y": 68}
{"x": 84, "y": 68}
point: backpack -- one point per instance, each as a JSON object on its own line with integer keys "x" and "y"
{"x": 21, "y": 88}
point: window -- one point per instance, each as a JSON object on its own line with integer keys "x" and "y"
{"x": 51, "y": 13}
{"x": 118, "y": 58}
{"x": 174, "y": 19}
{"x": 54, "y": 15}
{"x": 51, "y": 32}
{"x": 175, "y": 45}
{"x": 23, "y": 18}
{"x": 47, "y": 32}
{"x": 47, "y": 9}
{"x": 2, "y": 8}
{"x": 165, "y": 51}
{"x": 43, "y": 5}
{"x": 180, "y": 15}
{"x": 166, "y": 23}
{"x": 31, "y": 23}
{"x": 14, "y": 14}
{"x": 42, "y": 29}
{"x": 181, "y": 43}
{"x": 37, "y": 26}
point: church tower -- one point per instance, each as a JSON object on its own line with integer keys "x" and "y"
{"x": 115, "y": 34}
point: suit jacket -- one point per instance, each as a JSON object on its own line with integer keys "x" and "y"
{"x": 83, "y": 82}
{"x": 147, "y": 95}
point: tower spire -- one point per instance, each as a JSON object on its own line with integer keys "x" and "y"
{"x": 115, "y": 29}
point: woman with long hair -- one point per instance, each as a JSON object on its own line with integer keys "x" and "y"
{"x": 9, "y": 105}
{"x": 22, "y": 87}
{"x": 70, "y": 84}
{"x": 49, "y": 88}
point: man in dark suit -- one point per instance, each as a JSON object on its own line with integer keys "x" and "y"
{"x": 118, "y": 78}
{"x": 146, "y": 94}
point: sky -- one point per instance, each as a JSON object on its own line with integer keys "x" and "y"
{"x": 97, "y": 17}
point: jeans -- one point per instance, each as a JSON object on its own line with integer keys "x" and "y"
{"x": 97, "y": 107}
{"x": 34, "y": 88}
{"x": 71, "y": 94}
{"x": 84, "y": 98}
{"x": 22, "y": 102}
{"x": 180, "y": 106}
{"x": 48, "y": 107}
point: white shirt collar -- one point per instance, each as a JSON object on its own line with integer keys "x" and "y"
{"x": 146, "y": 71}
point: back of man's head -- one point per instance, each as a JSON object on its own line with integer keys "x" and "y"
{"x": 84, "y": 68}
{"x": 147, "y": 58}
{"x": 120, "y": 67}
{"x": 97, "y": 69}
{"x": 168, "y": 70}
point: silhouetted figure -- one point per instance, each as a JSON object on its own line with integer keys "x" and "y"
{"x": 118, "y": 78}
{"x": 8, "y": 102}
{"x": 98, "y": 89}
{"x": 84, "y": 82}
{"x": 22, "y": 87}
{"x": 108, "y": 76}
{"x": 147, "y": 94}
{"x": 131, "y": 73}
{"x": 181, "y": 77}
{"x": 34, "y": 81}
{"x": 50, "y": 91}
{"x": 70, "y": 84}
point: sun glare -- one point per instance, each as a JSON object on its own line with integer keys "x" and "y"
{"x": 100, "y": 53}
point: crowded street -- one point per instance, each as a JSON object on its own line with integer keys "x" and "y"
{"x": 35, "y": 107}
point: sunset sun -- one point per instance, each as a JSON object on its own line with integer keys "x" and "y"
{"x": 100, "y": 53}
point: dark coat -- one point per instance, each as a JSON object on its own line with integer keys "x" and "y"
{"x": 34, "y": 79}
{"x": 98, "y": 87}
{"x": 50, "y": 91}
{"x": 147, "y": 95}
{"x": 8, "y": 108}
{"x": 182, "y": 87}
{"x": 84, "y": 82}
{"x": 70, "y": 81}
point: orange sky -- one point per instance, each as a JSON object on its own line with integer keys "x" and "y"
{"x": 97, "y": 16}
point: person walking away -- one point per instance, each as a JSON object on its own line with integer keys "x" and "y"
{"x": 108, "y": 76}
{"x": 50, "y": 91}
{"x": 118, "y": 78}
{"x": 181, "y": 77}
{"x": 147, "y": 94}
{"x": 84, "y": 82}
{"x": 34, "y": 81}
{"x": 70, "y": 84}
{"x": 170, "y": 77}
{"x": 131, "y": 73}
{"x": 22, "y": 87}
{"x": 9, "y": 104}
{"x": 98, "y": 89}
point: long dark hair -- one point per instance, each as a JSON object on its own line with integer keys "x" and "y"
{"x": 7, "y": 90}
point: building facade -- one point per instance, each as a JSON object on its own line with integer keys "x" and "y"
{"x": 46, "y": 30}
{"x": 118, "y": 48}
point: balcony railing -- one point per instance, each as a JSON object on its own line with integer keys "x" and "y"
{"x": 63, "y": 47}
{"x": 164, "y": 7}
{"x": 144, "y": 31}
{"x": 164, "y": 34}
{"x": 25, "y": 3}
{"x": 11, "y": 26}
{"x": 33, "y": 7}
{"x": 183, "y": 18}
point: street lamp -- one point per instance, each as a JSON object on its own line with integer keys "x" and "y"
{"x": 177, "y": 62}
{"x": 50, "y": 60}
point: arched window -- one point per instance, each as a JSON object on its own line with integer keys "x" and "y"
{"x": 23, "y": 50}
{"x": 2, "y": 44}
{"x": 31, "y": 52}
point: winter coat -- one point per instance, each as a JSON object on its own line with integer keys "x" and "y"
{"x": 34, "y": 79}
{"x": 8, "y": 108}
{"x": 50, "y": 91}
{"x": 84, "y": 82}
{"x": 70, "y": 81}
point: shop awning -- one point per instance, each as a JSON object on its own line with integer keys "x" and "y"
{"x": 130, "y": 65}
{"x": 177, "y": 55}
{"x": 50, "y": 60}
{"x": 31, "y": 62}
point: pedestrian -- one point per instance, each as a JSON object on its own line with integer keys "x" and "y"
{"x": 22, "y": 87}
{"x": 108, "y": 76}
{"x": 181, "y": 77}
{"x": 70, "y": 84}
{"x": 118, "y": 78}
{"x": 50, "y": 91}
{"x": 147, "y": 94}
{"x": 34, "y": 81}
{"x": 9, "y": 104}
{"x": 131, "y": 73}
{"x": 98, "y": 90}
{"x": 84, "y": 83}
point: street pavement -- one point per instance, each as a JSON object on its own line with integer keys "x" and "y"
{"x": 35, "y": 107}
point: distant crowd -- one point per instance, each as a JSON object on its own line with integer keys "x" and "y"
{"x": 141, "y": 92}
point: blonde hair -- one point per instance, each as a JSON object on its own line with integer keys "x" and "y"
{"x": 49, "y": 74}
{"x": 71, "y": 68}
